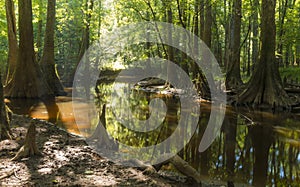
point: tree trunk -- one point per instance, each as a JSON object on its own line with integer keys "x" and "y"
{"x": 265, "y": 86}
{"x": 233, "y": 75}
{"x": 4, "y": 120}
{"x": 207, "y": 24}
{"x": 27, "y": 80}
{"x": 39, "y": 41}
{"x": 170, "y": 51}
{"x": 201, "y": 14}
{"x": 255, "y": 44}
{"x": 282, "y": 15}
{"x": 29, "y": 148}
{"x": 47, "y": 61}
{"x": 85, "y": 43}
{"x": 12, "y": 38}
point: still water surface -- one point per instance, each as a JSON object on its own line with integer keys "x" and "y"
{"x": 254, "y": 148}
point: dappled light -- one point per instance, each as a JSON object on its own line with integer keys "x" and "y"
{"x": 150, "y": 93}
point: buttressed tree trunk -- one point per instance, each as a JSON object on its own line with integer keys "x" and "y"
{"x": 27, "y": 80}
{"x": 47, "y": 60}
{"x": 265, "y": 86}
{"x": 12, "y": 38}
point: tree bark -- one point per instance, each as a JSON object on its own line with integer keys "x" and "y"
{"x": 27, "y": 80}
{"x": 265, "y": 86}
{"x": 207, "y": 24}
{"x": 233, "y": 75}
{"x": 29, "y": 148}
{"x": 47, "y": 61}
{"x": 255, "y": 44}
{"x": 4, "y": 119}
{"x": 39, "y": 41}
{"x": 282, "y": 15}
{"x": 12, "y": 38}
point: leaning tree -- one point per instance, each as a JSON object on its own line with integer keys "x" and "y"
{"x": 265, "y": 86}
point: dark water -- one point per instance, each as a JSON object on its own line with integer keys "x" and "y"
{"x": 253, "y": 148}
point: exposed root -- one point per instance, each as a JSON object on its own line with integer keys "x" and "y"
{"x": 30, "y": 147}
{"x": 7, "y": 174}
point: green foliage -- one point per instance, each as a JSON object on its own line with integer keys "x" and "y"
{"x": 3, "y": 39}
{"x": 291, "y": 73}
{"x": 71, "y": 19}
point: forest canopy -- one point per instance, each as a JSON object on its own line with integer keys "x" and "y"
{"x": 231, "y": 28}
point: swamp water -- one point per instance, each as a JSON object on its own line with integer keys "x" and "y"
{"x": 253, "y": 147}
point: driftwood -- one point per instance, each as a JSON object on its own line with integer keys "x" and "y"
{"x": 181, "y": 165}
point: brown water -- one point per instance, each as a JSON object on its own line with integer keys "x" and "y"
{"x": 253, "y": 148}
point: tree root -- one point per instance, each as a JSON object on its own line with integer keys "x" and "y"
{"x": 7, "y": 174}
{"x": 30, "y": 147}
{"x": 185, "y": 168}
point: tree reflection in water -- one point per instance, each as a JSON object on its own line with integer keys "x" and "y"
{"x": 253, "y": 148}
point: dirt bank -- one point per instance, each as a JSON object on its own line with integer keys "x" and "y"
{"x": 67, "y": 161}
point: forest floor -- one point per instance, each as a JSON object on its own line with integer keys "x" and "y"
{"x": 67, "y": 161}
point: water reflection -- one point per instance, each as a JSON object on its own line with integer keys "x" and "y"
{"x": 254, "y": 148}
{"x": 58, "y": 110}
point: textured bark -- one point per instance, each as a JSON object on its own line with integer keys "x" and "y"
{"x": 233, "y": 75}
{"x": 4, "y": 120}
{"x": 207, "y": 24}
{"x": 282, "y": 15}
{"x": 39, "y": 36}
{"x": 170, "y": 51}
{"x": 47, "y": 60}
{"x": 265, "y": 86}
{"x": 29, "y": 148}
{"x": 27, "y": 80}
{"x": 12, "y": 38}
{"x": 255, "y": 44}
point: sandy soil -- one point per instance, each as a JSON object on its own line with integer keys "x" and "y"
{"x": 67, "y": 161}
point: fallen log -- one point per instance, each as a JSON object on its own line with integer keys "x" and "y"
{"x": 292, "y": 90}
